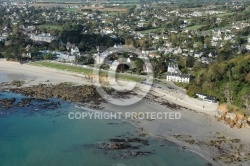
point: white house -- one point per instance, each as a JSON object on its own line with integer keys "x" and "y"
{"x": 198, "y": 54}
{"x": 175, "y": 75}
{"x": 75, "y": 51}
{"x": 206, "y": 98}
{"x": 66, "y": 57}
{"x": 204, "y": 60}
{"x": 178, "y": 51}
{"x": 248, "y": 47}
{"x": 42, "y": 37}
{"x": 212, "y": 55}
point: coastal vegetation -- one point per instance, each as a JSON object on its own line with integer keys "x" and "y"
{"x": 228, "y": 81}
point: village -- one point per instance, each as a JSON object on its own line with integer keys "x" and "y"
{"x": 177, "y": 40}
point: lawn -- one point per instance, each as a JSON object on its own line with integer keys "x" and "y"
{"x": 48, "y": 26}
{"x": 112, "y": 13}
{"x": 150, "y": 30}
{"x": 86, "y": 71}
{"x": 73, "y": 10}
{"x": 225, "y": 14}
{"x": 194, "y": 28}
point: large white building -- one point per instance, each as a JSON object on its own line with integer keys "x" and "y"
{"x": 42, "y": 37}
{"x": 175, "y": 75}
{"x": 66, "y": 57}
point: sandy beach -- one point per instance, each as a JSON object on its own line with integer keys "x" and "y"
{"x": 197, "y": 130}
{"x": 34, "y": 75}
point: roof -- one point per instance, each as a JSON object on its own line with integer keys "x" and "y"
{"x": 178, "y": 75}
{"x": 211, "y": 98}
{"x": 173, "y": 74}
{"x": 201, "y": 94}
{"x": 185, "y": 76}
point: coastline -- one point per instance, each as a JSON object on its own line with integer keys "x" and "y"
{"x": 198, "y": 123}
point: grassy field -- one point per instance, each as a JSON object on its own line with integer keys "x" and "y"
{"x": 150, "y": 30}
{"x": 36, "y": 5}
{"x": 103, "y": 9}
{"x": 113, "y": 13}
{"x": 73, "y": 10}
{"x": 47, "y": 26}
{"x": 225, "y": 14}
{"x": 195, "y": 27}
{"x": 86, "y": 71}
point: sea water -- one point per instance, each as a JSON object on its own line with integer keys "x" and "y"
{"x": 32, "y": 136}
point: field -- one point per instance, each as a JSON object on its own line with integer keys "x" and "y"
{"x": 102, "y": 9}
{"x": 225, "y": 14}
{"x": 150, "y": 30}
{"x": 51, "y": 27}
{"x": 74, "y": 10}
{"x": 195, "y": 27}
{"x": 53, "y": 4}
{"x": 87, "y": 71}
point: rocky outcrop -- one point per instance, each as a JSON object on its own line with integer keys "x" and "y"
{"x": 80, "y": 94}
{"x": 119, "y": 147}
{"x": 7, "y": 103}
{"x": 233, "y": 120}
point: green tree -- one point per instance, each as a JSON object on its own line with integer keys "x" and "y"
{"x": 48, "y": 56}
{"x": 139, "y": 66}
{"x": 82, "y": 46}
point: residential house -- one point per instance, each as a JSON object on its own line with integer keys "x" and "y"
{"x": 65, "y": 57}
{"x": 204, "y": 60}
{"x": 248, "y": 47}
{"x": 175, "y": 75}
{"x": 75, "y": 51}
{"x": 198, "y": 54}
{"x": 69, "y": 46}
{"x": 212, "y": 54}
{"x": 177, "y": 51}
{"x": 148, "y": 50}
{"x": 206, "y": 98}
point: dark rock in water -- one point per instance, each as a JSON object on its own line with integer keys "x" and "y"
{"x": 80, "y": 94}
{"x": 19, "y": 104}
{"x": 7, "y": 103}
{"x": 119, "y": 146}
{"x": 114, "y": 146}
{"x": 138, "y": 140}
{"x": 132, "y": 154}
{"x": 135, "y": 147}
{"x": 142, "y": 153}
{"x": 184, "y": 147}
{"x": 31, "y": 105}
{"x": 117, "y": 140}
{"x": 209, "y": 164}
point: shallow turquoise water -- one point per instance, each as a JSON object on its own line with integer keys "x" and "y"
{"x": 50, "y": 138}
